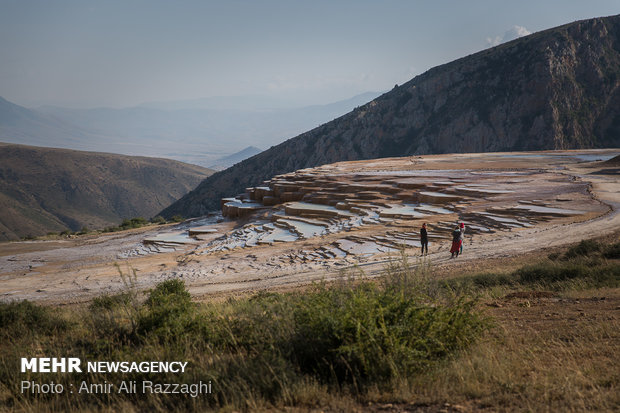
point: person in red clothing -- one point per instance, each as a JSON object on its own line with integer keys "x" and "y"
{"x": 456, "y": 242}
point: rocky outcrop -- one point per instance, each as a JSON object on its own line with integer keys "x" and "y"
{"x": 556, "y": 89}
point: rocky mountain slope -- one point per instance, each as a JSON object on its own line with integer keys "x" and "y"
{"x": 43, "y": 189}
{"x": 555, "y": 89}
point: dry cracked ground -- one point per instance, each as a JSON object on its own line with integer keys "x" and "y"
{"x": 326, "y": 222}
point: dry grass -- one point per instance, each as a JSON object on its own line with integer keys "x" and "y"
{"x": 560, "y": 363}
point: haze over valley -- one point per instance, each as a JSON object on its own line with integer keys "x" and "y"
{"x": 199, "y": 132}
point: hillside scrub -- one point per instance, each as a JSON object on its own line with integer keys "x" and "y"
{"x": 256, "y": 351}
{"x": 588, "y": 264}
{"x": 139, "y": 222}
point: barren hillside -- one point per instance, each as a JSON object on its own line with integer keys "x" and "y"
{"x": 44, "y": 189}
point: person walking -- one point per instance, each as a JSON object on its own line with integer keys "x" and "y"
{"x": 424, "y": 239}
{"x": 462, "y": 229}
{"x": 456, "y": 242}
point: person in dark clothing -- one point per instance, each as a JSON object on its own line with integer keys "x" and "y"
{"x": 424, "y": 239}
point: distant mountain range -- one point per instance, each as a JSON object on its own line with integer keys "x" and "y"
{"x": 555, "y": 89}
{"x": 199, "y": 131}
{"x": 235, "y": 158}
{"x": 50, "y": 190}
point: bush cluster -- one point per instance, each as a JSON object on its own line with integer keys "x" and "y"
{"x": 137, "y": 222}
{"x": 588, "y": 263}
{"x": 352, "y": 336}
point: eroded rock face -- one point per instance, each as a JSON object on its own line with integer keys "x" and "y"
{"x": 556, "y": 89}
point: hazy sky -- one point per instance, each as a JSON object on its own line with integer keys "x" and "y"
{"x": 87, "y": 53}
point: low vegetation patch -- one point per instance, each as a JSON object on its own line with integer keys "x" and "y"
{"x": 26, "y": 318}
{"x": 137, "y": 222}
{"x": 259, "y": 351}
{"x": 588, "y": 264}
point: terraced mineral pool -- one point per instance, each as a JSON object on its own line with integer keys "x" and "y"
{"x": 398, "y": 242}
{"x": 438, "y": 195}
{"x": 278, "y": 234}
{"x": 179, "y": 237}
{"x": 401, "y": 211}
{"x": 511, "y": 222}
{"x": 439, "y": 173}
{"x": 434, "y": 209}
{"x": 503, "y": 173}
{"x": 244, "y": 205}
{"x": 478, "y": 228}
{"x": 476, "y": 190}
{"x": 304, "y": 229}
{"x": 205, "y": 229}
{"x": 364, "y": 248}
{"x": 297, "y": 208}
{"x": 526, "y": 155}
{"x": 335, "y": 251}
{"x": 542, "y": 210}
{"x": 594, "y": 157}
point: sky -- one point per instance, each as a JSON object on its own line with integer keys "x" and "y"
{"x": 94, "y": 53}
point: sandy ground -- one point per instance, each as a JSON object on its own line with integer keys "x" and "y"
{"x": 72, "y": 271}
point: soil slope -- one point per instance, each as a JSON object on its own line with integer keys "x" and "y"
{"x": 44, "y": 189}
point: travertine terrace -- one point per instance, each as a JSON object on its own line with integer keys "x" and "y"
{"x": 311, "y": 224}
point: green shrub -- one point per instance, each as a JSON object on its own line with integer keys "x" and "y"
{"x": 612, "y": 251}
{"x": 158, "y": 220}
{"x": 492, "y": 280}
{"x": 177, "y": 218}
{"x": 592, "y": 273}
{"x": 472, "y": 283}
{"x": 549, "y": 272}
{"x": 363, "y": 334}
{"x": 169, "y": 312}
{"x": 137, "y": 222}
{"x": 17, "y": 318}
{"x": 584, "y": 248}
{"x": 109, "y": 302}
